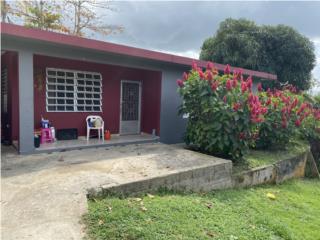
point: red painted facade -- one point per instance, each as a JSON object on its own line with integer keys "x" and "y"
{"x": 111, "y": 81}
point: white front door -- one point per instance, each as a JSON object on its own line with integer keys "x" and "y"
{"x": 130, "y": 101}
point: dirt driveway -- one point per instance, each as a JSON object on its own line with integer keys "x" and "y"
{"x": 44, "y": 195}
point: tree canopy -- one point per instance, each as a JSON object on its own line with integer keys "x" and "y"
{"x": 75, "y": 17}
{"x": 276, "y": 49}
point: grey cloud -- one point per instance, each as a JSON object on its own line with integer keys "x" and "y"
{"x": 183, "y": 26}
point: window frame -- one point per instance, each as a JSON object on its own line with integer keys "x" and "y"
{"x": 75, "y": 90}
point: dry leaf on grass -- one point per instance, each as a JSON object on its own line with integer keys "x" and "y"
{"x": 150, "y": 195}
{"x": 144, "y": 209}
{"x": 209, "y": 205}
{"x": 210, "y": 233}
{"x": 101, "y": 222}
{"x": 271, "y": 196}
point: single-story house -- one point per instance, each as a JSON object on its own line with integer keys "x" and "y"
{"x": 65, "y": 78}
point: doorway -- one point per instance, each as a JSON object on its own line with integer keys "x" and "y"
{"x": 130, "y": 107}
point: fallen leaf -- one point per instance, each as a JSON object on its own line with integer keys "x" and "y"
{"x": 232, "y": 237}
{"x": 137, "y": 199}
{"x": 210, "y": 234}
{"x": 253, "y": 226}
{"x": 150, "y": 195}
{"x": 208, "y": 205}
{"x": 144, "y": 209}
{"x": 101, "y": 222}
{"x": 271, "y": 196}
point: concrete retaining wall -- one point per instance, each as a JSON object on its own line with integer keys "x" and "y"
{"x": 210, "y": 177}
{"x": 275, "y": 173}
{"x": 206, "y": 178}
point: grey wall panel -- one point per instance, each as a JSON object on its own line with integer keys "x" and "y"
{"x": 172, "y": 126}
{"x": 26, "y": 106}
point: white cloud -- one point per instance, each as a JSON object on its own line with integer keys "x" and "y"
{"x": 188, "y": 53}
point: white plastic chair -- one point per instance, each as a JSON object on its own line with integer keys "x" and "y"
{"x": 92, "y": 119}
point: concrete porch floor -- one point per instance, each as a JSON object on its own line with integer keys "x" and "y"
{"x": 82, "y": 143}
{"x": 44, "y": 195}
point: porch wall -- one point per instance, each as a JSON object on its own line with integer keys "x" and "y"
{"x": 171, "y": 127}
{"x": 9, "y": 60}
{"x": 111, "y": 75}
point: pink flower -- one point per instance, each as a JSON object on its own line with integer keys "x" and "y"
{"x": 234, "y": 83}
{"x": 236, "y": 106}
{"x": 237, "y": 74}
{"x": 249, "y": 82}
{"x": 214, "y": 86}
{"x": 264, "y": 110}
{"x": 228, "y": 85}
{"x": 209, "y": 75}
{"x": 269, "y": 93}
{"x": 243, "y": 86}
{"x": 256, "y": 119}
{"x": 210, "y": 66}
{"x": 185, "y": 76}
{"x": 194, "y": 65}
{"x": 297, "y": 123}
{"x": 225, "y": 99}
{"x": 180, "y": 83}
{"x": 260, "y": 87}
{"x": 294, "y": 103}
{"x": 227, "y": 69}
{"x": 201, "y": 74}
{"x": 268, "y": 102}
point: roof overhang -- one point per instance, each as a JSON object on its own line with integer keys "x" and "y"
{"x": 85, "y": 43}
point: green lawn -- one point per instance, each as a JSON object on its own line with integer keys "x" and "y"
{"x": 228, "y": 214}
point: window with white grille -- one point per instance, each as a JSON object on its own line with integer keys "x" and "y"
{"x": 73, "y": 91}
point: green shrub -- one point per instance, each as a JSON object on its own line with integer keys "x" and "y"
{"x": 281, "y": 122}
{"x": 218, "y": 110}
{"x": 225, "y": 117}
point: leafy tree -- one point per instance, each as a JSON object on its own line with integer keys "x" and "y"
{"x": 276, "y": 49}
{"x": 235, "y": 42}
{"x": 83, "y": 17}
{"x": 75, "y": 17}
{"x": 291, "y": 55}
{"x": 41, "y": 14}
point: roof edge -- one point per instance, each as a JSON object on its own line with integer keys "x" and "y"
{"x": 69, "y": 40}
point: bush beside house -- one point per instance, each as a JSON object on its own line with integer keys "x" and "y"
{"x": 226, "y": 118}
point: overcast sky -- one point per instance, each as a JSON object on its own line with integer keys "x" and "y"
{"x": 180, "y": 27}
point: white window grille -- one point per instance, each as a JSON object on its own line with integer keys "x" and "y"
{"x": 73, "y": 91}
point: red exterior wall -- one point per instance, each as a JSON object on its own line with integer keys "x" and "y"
{"x": 9, "y": 60}
{"x": 111, "y": 75}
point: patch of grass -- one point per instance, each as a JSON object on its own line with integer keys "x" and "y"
{"x": 224, "y": 215}
{"x": 258, "y": 158}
